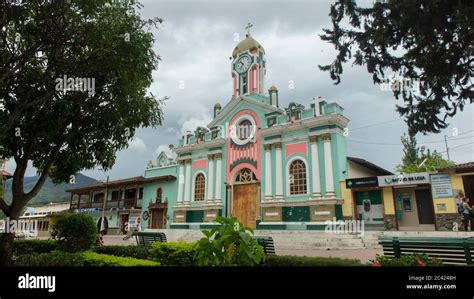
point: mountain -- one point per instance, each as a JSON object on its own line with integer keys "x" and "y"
{"x": 50, "y": 192}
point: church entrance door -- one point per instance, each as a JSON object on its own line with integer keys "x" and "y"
{"x": 245, "y": 199}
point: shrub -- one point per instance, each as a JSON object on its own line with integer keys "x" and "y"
{"x": 230, "y": 243}
{"x": 21, "y": 247}
{"x": 75, "y": 232}
{"x": 417, "y": 259}
{"x": 174, "y": 253}
{"x": 97, "y": 259}
{"x": 138, "y": 252}
{"x": 297, "y": 261}
{"x": 55, "y": 258}
{"x": 88, "y": 258}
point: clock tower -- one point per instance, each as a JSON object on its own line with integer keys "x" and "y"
{"x": 248, "y": 66}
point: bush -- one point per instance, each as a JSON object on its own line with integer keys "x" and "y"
{"x": 88, "y": 258}
{"x": 75, "y": 232}
{"x": 138, "y": 252}
{"x": 21, "y": 247}
{"x": 97, "y": 259}
{"x": 55, "y": 258}
{"x": 417, "y": 259}
{"x": 230, "y": 243}
{"x": 297, "y": 261}
{"x": 174, "y": 253}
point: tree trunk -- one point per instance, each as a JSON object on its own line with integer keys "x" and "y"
{"x": 7, "y": 239}
{"x": 6, "y": 249}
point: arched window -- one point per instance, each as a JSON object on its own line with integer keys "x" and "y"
{"x": 245, "y": 176}
{"x": 244, "y": 130}
{"x": 159, "y": 195}
{"x": 199, "y": 187}
{"x": 297, "y": 177}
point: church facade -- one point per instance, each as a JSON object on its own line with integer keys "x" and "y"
{"x": 271, "y": 167}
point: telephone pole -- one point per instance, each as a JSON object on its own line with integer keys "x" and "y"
{"x": 447, "y": 148}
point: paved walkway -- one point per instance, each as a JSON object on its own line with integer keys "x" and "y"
{"x": 364, "y": 255}
{"x": 118, "y": 240}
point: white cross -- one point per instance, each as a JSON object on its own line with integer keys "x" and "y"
{"x": 249, "y": 25}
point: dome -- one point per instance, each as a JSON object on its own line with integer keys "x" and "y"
{"x": 247, "y": 44}
{"x": 272, "y": 88}
{"x": 217, "y": 106}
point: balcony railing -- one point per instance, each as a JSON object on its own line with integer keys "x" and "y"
{"x": 126, "y": 203}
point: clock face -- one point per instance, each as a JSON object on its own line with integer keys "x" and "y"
{"x": 243, "y": 64}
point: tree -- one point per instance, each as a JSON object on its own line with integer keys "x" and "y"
{"x": 419, "y": 159}
{"x": 73, "y": 80}
{"x": 405, "y": 44}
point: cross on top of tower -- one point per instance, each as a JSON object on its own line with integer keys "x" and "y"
{"x": 249, "y": 25}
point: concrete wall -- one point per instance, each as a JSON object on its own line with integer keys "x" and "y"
{"x": 355, "y": 170}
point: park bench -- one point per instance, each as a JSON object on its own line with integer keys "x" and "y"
{"x": 451, "y": 251}
{"x": 146, "y": 238}
{"x": 266, "y": 243}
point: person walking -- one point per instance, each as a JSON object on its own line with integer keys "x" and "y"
{"x": 100, "y": 239}
{"x": 467, "y": 214}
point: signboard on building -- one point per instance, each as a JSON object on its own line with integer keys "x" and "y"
{"x": 404, "y": 179}
{"x": 441, "y": 185}
{"x": 362, "y": 182}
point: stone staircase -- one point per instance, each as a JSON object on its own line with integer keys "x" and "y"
{"x": 293, "y": 239}
{"x": 319, "y": 240}
{"x": 316, "y": 240}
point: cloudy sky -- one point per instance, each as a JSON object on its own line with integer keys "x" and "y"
{"x": 195, "y": 42}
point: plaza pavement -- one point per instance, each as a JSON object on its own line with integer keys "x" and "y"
{"x": 364, "y": 255}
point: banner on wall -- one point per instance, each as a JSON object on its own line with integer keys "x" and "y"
{"x": 441, "y": 185}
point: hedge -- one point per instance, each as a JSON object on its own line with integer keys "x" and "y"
{"x": 174, "y": 253}
{"x": 21, "y": 247}
{"x": 100, "y": 260}
{"x": 295, "y": 261}
{"x": 55, "y": 258}
{"x": 166, "y": 253}
{"x": 138, "y": 252}
{"x": 88, "y": 258}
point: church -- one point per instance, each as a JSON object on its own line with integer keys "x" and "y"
{"x": 271, "y": 167}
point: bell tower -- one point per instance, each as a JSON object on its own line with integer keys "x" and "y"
{"x": 248, "y": 66}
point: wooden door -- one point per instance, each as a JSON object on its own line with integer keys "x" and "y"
{"x": 468, "y": 182}
{"x": 245, "y": 203}
{"x": 157, "y": 218}
{"x": 424, "y": 204}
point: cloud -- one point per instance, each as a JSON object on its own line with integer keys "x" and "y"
{"x": 192, "y": 123}
{"x": 137, "y": 145}
{"x": 162, "y": 148}
{"x": 195, "y": 42}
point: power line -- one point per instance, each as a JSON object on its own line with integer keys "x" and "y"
{"x": 448, "y": 139}
{"x": 374, "y": 143}
{"x": 419, "y": 143}
{"x": 375, "y": 124}
{"x": 465, "y": 132}
{"x": 457, "y": 147}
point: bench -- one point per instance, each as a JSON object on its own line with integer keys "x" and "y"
{"x": 266, "y": 243}
{"x": 146, "y": 238}
{"x": 451, "y": 251}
